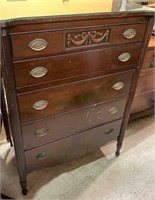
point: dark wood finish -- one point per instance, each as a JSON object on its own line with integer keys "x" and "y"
{"x": 57, "y": 40}
{"x": 134, "y": 85}
{"x": 79, "y": 92}
{"x": 66, "y": 124}
{"x": 75, "y": 65}
{"x": 7, "y": 74}
{"x": 73, "y": 95}
{"x": 63, "y": 22}
{"x": 72, "y": 147}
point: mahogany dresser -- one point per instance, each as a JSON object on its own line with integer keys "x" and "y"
{"x": 70, "y": 81}
{"x": 144, "y": 99}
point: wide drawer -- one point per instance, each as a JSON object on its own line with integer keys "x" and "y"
{"x": 50, "y": 42}
{"x": 143, "y": 102}
{"x": 62, "y": 67}
{"x": 46, "y": 102}
{"x": 146, "y": 81}
{"x": 57, "y": 127}
{"x": 71, "y": 147}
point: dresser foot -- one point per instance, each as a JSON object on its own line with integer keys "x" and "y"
{"x": 24, "y": 188}
{"x": 119, "y": 145}
{"x": 24, "y": 191}
{"x": 117, "y": 153}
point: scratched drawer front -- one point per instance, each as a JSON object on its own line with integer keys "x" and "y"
{"x": 146, "y": 81}
{"x": 51, "y": 69}
{"x": 57, "y": 127}
{"x": 56, "y": 42}
{"x": 35, "y": 105}
{"x": 71, "y": 147}
{"x": 143, "y": 102}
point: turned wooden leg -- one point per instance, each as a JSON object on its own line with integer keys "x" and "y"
{"x": 5, "y": 116}
{"x": 24, "y": 187}
{"x": 119, "y": 145}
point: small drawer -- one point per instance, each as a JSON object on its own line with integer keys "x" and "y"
{"x": 36, "y": 44}
{"x": 146, "y": 81}
{"x": 63, "y": 67}
{"x": 66, "y": 124}
{"x": 71, "y": 147}
{"x": 31, "y": 45}
{"x": 143, "y": 102}
{"x": 46, "y": 102}
{"x": 133, "y": 33}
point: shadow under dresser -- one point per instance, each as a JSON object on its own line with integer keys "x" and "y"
{"x": 70, "y": 82}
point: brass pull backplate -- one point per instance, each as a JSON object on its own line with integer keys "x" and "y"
{"x": 124, "y": 57}
{"x": 41, "y": 132}
{"x": 109, "y": 131}
{"x": 113, "y": 110}
{"x": 39, "y": 105}
{"x": 129, "y": 33}
{"x": 38, "y": 72}
{"x": 118, "y": 86}
{"x": 38, "y": 44}
{"x": 43, "y": 155}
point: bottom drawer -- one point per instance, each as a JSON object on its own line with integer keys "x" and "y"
{"x": 71, "y": 147}
{"x": 143, "y": 102}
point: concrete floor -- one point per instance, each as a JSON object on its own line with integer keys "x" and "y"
{"x": 99, "y": 176}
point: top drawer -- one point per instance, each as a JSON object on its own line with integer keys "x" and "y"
{"x": 47, "y": 43}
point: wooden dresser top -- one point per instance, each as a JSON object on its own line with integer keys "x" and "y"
{"x": 17, "y": 9}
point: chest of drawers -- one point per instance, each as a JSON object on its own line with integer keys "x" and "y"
{"x": 70, "y": 82}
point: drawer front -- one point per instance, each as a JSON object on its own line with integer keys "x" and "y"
{"x": 57, "y": 68}
{"x": 146, "y": 81}
{"x": 143, "y": 102}
{"x": 57, "y": 127}
{"x": 57, "y": 42}
{"x": 71, "y": 147}
{"x": 54, "y": 100}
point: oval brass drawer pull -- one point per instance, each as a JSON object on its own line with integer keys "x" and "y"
{"x": 113, "y": 110}
{"x": 41, "y": 132}
{"x": 129, "y": 33}
{"x": 118, "y": 86}
{"x": 109, "y": 131}
{"x": 39, "y": 105}
{"x": 38, "y": 44}
{"x": 43, "y": 155}
{"x": 38, "y": 72}
{"x": 124, "y": 57}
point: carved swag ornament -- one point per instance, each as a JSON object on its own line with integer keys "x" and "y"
{"x": 87, "y": 38}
